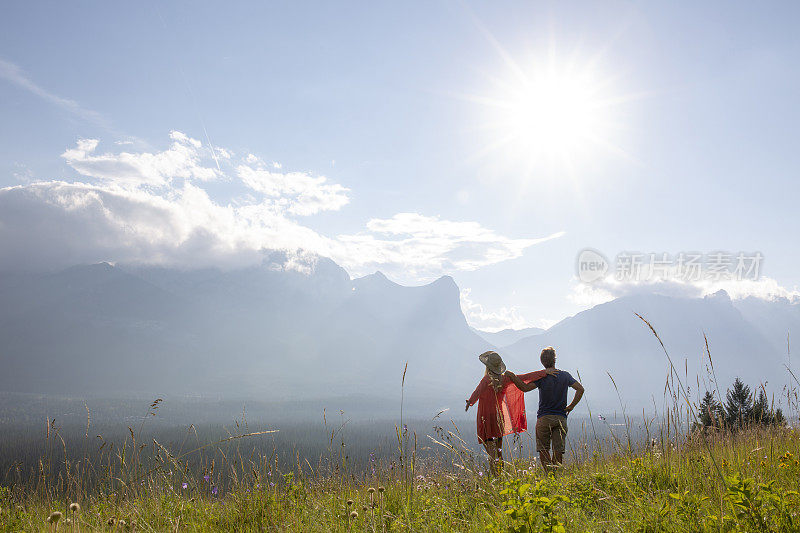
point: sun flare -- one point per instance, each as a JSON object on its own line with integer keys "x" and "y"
{"x": 550, "y": 115}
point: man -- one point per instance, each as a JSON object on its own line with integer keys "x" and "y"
{"x": 551, "y": 419}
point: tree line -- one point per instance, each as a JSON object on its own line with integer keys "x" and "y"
{"x": 741, "y": 409}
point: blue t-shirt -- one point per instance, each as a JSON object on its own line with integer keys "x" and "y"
{"x": 553, "y": 394}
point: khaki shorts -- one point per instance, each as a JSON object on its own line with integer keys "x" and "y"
{"x": 551, "y": 428}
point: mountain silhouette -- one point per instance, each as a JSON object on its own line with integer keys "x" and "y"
{"x": 272, "y": 333}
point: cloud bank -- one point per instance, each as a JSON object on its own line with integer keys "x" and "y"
{"x": 606, "y": 289}
{"x": 189, "y": 206}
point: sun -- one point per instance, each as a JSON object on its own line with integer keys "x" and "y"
{"x": 550, "y": 115}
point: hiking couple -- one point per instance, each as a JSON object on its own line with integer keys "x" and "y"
{"x": 501, "y": 406}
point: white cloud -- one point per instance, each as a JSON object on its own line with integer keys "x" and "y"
{"x": 181, "y": 160}
{"x": 155, "y": 208}
{"x": 298, "y": 192}
{"x": 421, "y": 246}
{"x": 479, "y": 318}
{"x": 609, "y": 288}
{"x": 63, "y": 223}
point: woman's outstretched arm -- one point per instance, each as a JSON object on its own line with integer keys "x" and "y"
{"x": 521, "y": 385}
{"x": 477, "y": 393}
{"x": 537, "y": 375}
{"x": 527, "y": 382}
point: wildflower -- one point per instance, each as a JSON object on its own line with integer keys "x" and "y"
{"x": 122, "y": 523}
{"x": 74, "y": 507}
{"x": 381, "y": 489}
{"x": 54, "y": 517}
{"x": 214, "y": 491}
{"x": 184, "y": 485}
{"x": 206, "y": 477}
{"x": 353, "y": 514}
{"x": 349, "y": 503}
{"x": 370, "y": 490}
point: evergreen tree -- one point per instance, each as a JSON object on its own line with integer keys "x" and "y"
{"x": 738, "y": 405}
{"x": 778, "y": 418}
{"x": 711, "y": 412}
{"x": 761, "y": 414}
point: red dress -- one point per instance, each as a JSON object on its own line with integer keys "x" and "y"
{"x": 502, "y": 412}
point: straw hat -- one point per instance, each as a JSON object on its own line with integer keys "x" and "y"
{"x": 493, "y": 362}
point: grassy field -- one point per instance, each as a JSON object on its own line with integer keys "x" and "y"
{"x": 717, "y": 481}
{"x": 675, "y": 472}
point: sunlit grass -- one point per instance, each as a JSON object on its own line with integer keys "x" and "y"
{"x": 666, "y": 478}
{"x": 666, "y": 488}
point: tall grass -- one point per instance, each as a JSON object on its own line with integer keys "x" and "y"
{"x": 659, "y": 476}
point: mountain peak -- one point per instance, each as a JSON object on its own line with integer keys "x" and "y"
{"x": 445, "y": 281}
{"x": 721, "y": 295}
{"x": 376, "y": 279}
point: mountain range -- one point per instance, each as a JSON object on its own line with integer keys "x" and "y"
{"x": 276, "y": 334}
{"x": 506, "y": 337}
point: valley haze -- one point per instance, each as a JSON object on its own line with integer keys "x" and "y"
{"x": 318, "y": 338}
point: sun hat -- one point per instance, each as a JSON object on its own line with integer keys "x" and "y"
{"x": 493, "y": 362}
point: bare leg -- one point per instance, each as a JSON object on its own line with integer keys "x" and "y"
{"x": 557, "y": 457}
{"x": 494, "y": 449}
{"x": 544, "y": 457}
{"x": 559, "y": 436}
{"x": 491, "y": 451}
{"x": 499, "y": 458}
{"x": 488, "y": 445}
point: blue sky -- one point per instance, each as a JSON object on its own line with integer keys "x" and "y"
{"x": 389, "y": 104}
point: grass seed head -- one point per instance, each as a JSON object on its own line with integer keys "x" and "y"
{"x": 349, "y": 503}
{"x": 381, "y": 489}
{"x": 353, "y": 514}
{"x": 370, "y": 490}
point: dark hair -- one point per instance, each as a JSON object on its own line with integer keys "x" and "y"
{"x": 548, "y": 357}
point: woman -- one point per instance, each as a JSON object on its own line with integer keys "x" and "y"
{"x": 501, "y": 405}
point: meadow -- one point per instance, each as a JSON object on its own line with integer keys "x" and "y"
{"x": 722, "y": 481}
{"x": 721, "y": 464}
